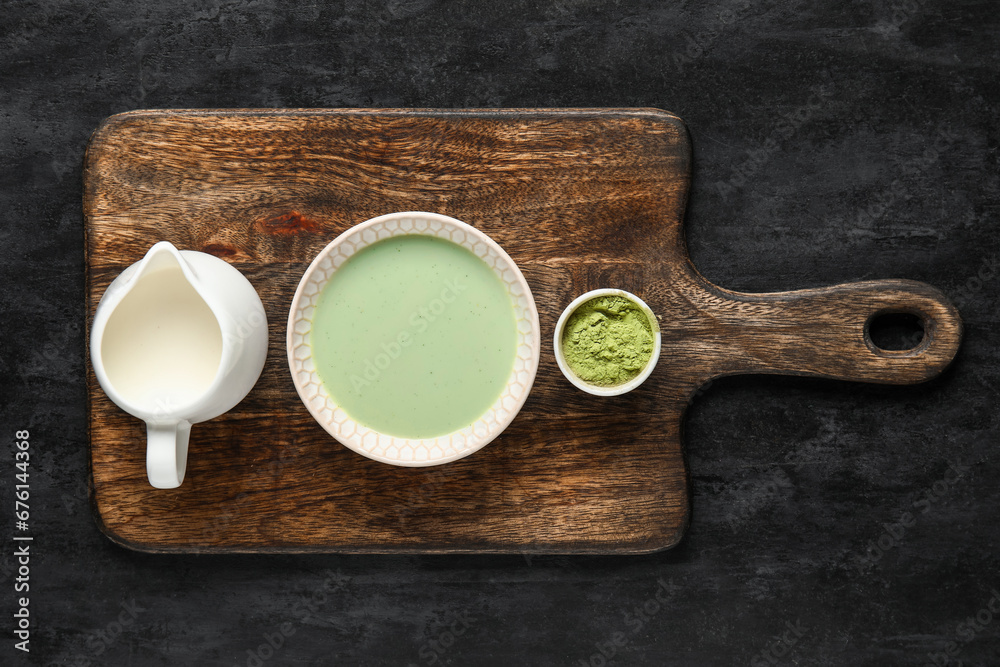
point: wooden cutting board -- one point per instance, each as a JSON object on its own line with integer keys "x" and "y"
{"x": 580, "y": 198}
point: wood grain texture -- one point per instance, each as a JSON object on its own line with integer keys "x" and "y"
{"x": 580, "y": 199}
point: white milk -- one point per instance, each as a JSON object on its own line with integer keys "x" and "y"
{"x": 162, "y": 345}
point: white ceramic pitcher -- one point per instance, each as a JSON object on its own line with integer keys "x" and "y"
{"x": 179, "y": 337}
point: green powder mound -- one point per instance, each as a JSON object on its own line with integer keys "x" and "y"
{"x": 607, "y": 341}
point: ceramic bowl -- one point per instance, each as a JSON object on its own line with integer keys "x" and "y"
{"x": 613, "y": 390}
{"x": 380, "y": 446}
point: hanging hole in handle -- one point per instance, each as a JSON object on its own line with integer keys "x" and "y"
{"x": 897, "y": 332}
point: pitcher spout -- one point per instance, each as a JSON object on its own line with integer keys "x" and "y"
{"x": 161, "y": 256}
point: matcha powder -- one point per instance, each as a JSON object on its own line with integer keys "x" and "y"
{"x": 607, "y": 341}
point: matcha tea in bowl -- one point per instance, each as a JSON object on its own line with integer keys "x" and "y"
{"x": 413, "y": 339}
{"x": 607, "y": 342}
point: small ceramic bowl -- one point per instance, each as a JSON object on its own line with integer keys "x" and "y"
{"x": 612, "y": 390}
{"x": 380, "y": 446}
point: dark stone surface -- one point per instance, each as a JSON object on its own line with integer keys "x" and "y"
{"x": 834, "y": 141}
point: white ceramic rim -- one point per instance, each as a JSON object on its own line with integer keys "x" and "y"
{"x": 617, "y": 389}
{"x": 391, "y": 449}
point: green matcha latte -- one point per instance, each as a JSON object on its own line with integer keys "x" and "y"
{"x": 414, "y": 336}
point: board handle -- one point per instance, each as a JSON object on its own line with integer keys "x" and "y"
{"x": 825, "y": 332}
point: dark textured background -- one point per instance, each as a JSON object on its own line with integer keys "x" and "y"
{"x": 833, "y": 141}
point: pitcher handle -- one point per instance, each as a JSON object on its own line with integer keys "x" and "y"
{"x": 166, "y": 453}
